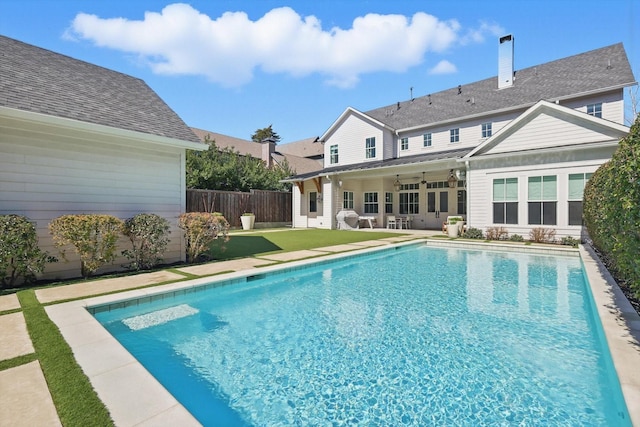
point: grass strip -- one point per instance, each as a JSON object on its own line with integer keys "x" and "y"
{"x": 17, "y": 361}
{"x": 75, "y": 399}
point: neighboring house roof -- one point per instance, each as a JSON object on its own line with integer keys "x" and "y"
{"x": 254, "y": 149}
{"x": 595, "y": 71}
{"x": 40, "y": 81}
{"x": 310, "y": 148}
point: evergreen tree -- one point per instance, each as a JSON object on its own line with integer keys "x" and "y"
{"x": 265, "y": 133}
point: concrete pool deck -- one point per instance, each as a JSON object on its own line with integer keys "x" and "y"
{"x": 145, "y": 402}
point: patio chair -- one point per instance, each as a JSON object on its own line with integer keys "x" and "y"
{"x": 391, "y": 221}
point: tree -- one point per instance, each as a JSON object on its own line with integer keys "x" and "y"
{"x": 228, "y": 170}
{"x": 265, "y": 133}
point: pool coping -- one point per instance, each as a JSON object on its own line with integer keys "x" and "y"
{"x": 135, "y": 398}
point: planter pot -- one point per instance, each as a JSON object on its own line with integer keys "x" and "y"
{"x": 453, "y": 229}
{"x": 247, "y": 221}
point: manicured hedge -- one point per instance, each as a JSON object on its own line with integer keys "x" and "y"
{"x": 612, "y": 209}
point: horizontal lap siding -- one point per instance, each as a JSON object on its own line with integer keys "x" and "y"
{"x": 42, "y": 180}
{"x": 351, "y": 137}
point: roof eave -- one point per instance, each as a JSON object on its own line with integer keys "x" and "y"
{"x": 105, "y": 133}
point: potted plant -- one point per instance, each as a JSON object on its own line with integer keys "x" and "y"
{"x": 247, "y": 219}
{"x": 453, "y": 226}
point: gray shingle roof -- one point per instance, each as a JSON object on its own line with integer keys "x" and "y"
{"x": 457, "y": 153}
{"x": 42, "y": 81}
{"x": 593, "y": 71}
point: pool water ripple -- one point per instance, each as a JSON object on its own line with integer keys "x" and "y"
{"x": 414, "y": 337}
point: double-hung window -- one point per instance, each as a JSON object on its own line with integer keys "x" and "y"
{"x": 371, "y": 203}
{"x": 426, "y": 140}
{"x": 388, "y": 202}
{"x": 333, "y": 154}
{"x": 595, "y": 109}
{"x": 404, "y": 144}
{"x": 370, "y": 148}
{"x": 454, "y": 135}
{"x": 486, "y": 130}
{"x": 577, "y": 182}
{"x": 505, "y": 201}
{"x": 347, "y": 200}
{"x": 543, "y": 200}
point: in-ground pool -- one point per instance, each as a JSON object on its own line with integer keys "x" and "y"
{"x": 410, "y": 336}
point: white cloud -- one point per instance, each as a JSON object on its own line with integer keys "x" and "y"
{"x": 227, "y": 50}
{"x": 477, "y": 35}
{"x": 444, "y": 67}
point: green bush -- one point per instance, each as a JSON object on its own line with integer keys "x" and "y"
{"x": 149, "y": 236}
{"x": 569, "y": 241}
{"x": 612, "y": 209}
{"x": 200, "y": 230}
{"x": 93, "y": 236}
{"x": 20, "y": 257}
{"x": 516, "y": 238}
{"x": 474, "y": 233}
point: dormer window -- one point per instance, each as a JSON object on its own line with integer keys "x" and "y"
{"x": 595, "y": 109}
{"x": 404, "y": 144}
{"x": 426, "y": 140}
{"x": 370, "y": 148}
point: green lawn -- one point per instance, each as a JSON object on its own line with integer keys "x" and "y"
{"x": 249, "y": 244}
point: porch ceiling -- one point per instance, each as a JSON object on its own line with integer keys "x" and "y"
{"x": 421, "y": 162}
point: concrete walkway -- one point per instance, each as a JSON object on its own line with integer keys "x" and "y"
{"x": 24, "y": 395}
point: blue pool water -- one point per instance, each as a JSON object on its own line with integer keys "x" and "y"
{"x": 414, "y": 336}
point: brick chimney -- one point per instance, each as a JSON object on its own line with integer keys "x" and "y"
{"x": 268, "y": 148}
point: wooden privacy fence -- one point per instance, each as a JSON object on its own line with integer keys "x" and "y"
{"x": 268, "y": 206}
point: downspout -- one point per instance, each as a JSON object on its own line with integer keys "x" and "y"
{"x": 468, "y": 178}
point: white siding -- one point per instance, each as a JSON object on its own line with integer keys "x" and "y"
{"x": 547, "y": 131}
{"x": 350, "y": 137}
{"x": 483, "y": 172}
{"x": 43, "y": 178}
{"x": 612, "y": 105}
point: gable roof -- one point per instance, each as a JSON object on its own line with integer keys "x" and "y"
{"x": 40, "y": 81}
{"x": 254, "y": 149}
{"x": 349, "y": 111}
{"x": 595, "y": 71}
{"x": 607, "y": 129}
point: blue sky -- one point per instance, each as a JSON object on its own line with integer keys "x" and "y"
{"x": 236, "y": 66}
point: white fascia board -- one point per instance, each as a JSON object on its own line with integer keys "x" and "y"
{"x": 100, "y": 133}
{"x": 345, "y": 113}
{"x": 536, "y": 109}
{"x": 537, "y": 151}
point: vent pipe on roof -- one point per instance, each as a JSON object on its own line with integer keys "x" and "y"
{"x": 505, "y": 62}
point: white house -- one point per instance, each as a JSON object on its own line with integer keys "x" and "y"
{"x": 77, "y": 138}
{"x": 513, "y": 151}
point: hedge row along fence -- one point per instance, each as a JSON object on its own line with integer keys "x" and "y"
{"x": 612, "y": 210}
{"x": 94, "y": 238}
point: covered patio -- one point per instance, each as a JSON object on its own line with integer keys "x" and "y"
{"x": 416, "y": 192}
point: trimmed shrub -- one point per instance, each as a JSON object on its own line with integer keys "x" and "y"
{"x": 149, "y": 236}
{"x": 542, "y": 235}
{"x": 516, "y": 238}
{"x": 200, "y": 230}
{"x": 569, "y": 241}
{"x": 474, "y": 233}
{"x": 93, "y": 236}
{"x": 20, "y": 257}
{"x": 612, "y": 209}
{"x": 497, "y": 233}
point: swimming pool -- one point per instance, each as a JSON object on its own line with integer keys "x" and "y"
{"x": 414, "y": 336}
